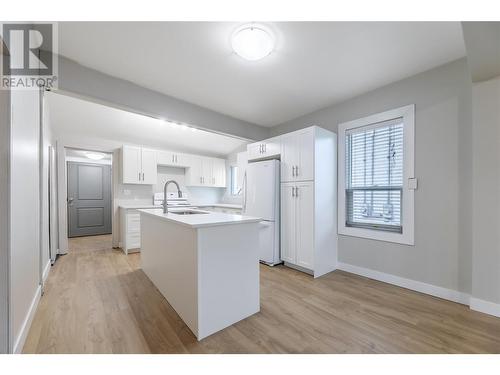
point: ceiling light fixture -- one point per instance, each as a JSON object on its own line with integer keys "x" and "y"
{"x": 94, "y": 155}
{"x": 252, "y": 42}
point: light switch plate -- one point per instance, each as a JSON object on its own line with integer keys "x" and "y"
{"x": 412, "y": 183}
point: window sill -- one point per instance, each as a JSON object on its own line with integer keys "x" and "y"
{"x": 399, "y": 238}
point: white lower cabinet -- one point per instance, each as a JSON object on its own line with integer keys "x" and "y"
{"x": 130, "y": 230}
{"x": 304, "y": 229}
{"x": 297, "y": 228}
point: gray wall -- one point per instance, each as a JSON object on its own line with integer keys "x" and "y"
{"x": 486, "y": 200}
{"x": 102, "y": 88}
{"x": 442, "y": 252}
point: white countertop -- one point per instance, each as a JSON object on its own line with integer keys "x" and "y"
{"x": 223, "y": 205}
{"x": 130, "y": 206}
{"x": 208, "y": 219}
{"x": 137, "y": 206}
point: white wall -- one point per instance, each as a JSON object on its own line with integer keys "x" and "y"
{"x": 4, "y": 218}
{"x": 24, "y": 213}
{"x": 486, "y": 192}
{"x": 442, "y": 252}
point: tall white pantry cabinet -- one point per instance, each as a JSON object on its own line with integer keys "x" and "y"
{"x": 309, "y": 200}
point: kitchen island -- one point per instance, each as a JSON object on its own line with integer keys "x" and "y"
{"x": 206, "y": 264}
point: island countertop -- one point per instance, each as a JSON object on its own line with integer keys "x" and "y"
{"x": 204, "y": 219}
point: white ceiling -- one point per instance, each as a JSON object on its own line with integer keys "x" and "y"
{"x": 315, "y": 64}
{"x": 85, "y": 123}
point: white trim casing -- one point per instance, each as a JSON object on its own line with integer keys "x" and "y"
{"x": 485, "y": 307}
{"x": 407, "y": 206}
{"x": 25, "y": 327}
{"x": 418, "y": 286}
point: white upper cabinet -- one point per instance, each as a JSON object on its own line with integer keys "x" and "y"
{"x": 219, "y": 172}
{"x": 149, "y": 167}
{"x": 206, "y": 171}
{"x": 265, "y": 149}
{"x": 131, "y": 165}
{"x": 173, "y": 159}
{"x": 297, "y": 156}
{"x": 139, "y": 165}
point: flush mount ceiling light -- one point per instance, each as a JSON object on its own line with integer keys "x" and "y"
{"x": 252, "y": 42}
{"x": 94, "y": 155}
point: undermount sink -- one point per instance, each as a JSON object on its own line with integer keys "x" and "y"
{"x": 188, "y": 212}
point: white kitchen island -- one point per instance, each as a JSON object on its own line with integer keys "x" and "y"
{"x": 205, "y": 264}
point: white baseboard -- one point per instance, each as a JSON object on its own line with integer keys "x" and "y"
{"x": 23, "y": 334}
{"x": 46, "y": 271}
{"x": 433, "y": 290}
{"x": 486, "y": 307}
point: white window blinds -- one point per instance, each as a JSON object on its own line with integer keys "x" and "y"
{"x": 374, "y": 176}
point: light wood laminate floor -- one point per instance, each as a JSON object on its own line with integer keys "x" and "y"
{"x": 97, "y": 300}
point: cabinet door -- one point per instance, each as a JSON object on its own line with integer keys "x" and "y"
{"x": 131, "y": 165}
{"x": 272, "y": 147}
{"x": 288, "y": 214}
{"x": 149, "y": 167}
{"x": 305, "y": 155}
{"x": 181, "y": 160}
{"x": 254, "y": 151}
{"x": 288, "y": 157}
{"x": 207, "y": 172}
{"x": 194, "y": 174}
{"x": 305, "y": 224}
{"x": 219, "y": 172}
{"x": 165, "y": 158}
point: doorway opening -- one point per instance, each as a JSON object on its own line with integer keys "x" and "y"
{"x": 89, "y": 195}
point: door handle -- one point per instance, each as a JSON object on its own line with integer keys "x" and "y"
{"x": 70, "y": 201}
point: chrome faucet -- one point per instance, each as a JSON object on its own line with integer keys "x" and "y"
{"x": 165, "y": 208}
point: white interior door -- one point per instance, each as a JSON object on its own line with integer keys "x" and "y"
{"x": 305, "y": 224}
{"x": 288, "y": 208}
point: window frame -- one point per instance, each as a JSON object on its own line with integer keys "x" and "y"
{"x": 233, "y": 180}
{"x": 408, "y": 199}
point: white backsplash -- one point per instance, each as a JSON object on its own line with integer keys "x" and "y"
{"x": 143, "y": 194}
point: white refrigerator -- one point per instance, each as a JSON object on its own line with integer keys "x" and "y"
{"x": 262, "y": 199}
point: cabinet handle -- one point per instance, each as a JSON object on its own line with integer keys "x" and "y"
{"x": 265, "y": 148}
{"x": 176, "y": 158}
{"x": 296, "y": 191}
{"x": 139, "y": 176}
{"x": 143, "y": 176}
{"x": 201, "y": 180}
{"x": 296, "y": 170}
{"x": 293, "y": 191}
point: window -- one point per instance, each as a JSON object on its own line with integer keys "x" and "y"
{"x": 375, "y": 169}
{"x": 235, "y": 189}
